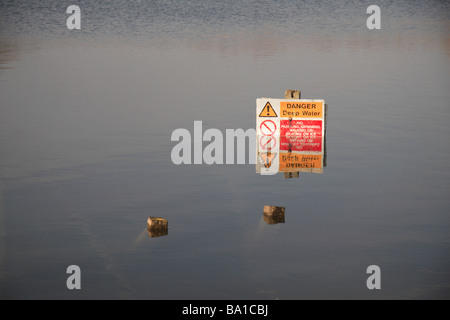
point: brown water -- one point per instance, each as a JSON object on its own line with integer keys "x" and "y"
{"x": 85, "y": 124}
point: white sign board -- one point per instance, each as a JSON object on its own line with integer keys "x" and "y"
{"x": 290, "y": 135}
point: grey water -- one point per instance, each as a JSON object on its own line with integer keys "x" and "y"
{"x": 86, "y": 118}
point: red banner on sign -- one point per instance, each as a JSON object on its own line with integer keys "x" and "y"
{"x": 301, "y": 135}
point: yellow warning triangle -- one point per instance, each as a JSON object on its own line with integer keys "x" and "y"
{"x": 267, "y": 158}
{"x": 268, "y": 111}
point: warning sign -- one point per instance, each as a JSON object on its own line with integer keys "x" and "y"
{"x": 291, "y": 135}
{"x": 268, "y": 111}
{"x": 268, "y": 128}
{"x": 301, "y": 109}
{"x": 301, "y": 135}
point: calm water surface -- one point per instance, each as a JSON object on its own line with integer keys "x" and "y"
{"x": 85, "y": 140}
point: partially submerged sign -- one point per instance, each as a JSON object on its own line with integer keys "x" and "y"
{"x": 291, "y": 135}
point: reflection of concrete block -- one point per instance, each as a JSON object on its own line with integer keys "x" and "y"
{"x": 157, "y": 227}
{"x": 154, "y": 233}
{"x": 273, "y": 214}
{"x": 273, "y": 220}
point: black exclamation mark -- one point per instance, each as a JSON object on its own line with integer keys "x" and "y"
{"x": 268, "y": 110}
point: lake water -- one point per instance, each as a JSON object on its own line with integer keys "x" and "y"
{"x": 86, "y": 118}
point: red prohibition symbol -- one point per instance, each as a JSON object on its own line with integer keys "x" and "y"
{"x": 268, "y": 128}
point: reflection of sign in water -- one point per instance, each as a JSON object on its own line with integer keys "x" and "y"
{"x": 300, "y": 162}
{"x": 266, "y": 158}
{"x": 295, "y": 133}
{"x": 267, "y": 143}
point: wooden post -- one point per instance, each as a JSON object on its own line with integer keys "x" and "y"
{"x": 291, "y": 174}
{"x": 292, "y": 94}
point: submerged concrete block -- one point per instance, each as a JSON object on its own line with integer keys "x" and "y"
{"x": 157, "y": 227}
{"x": 273, "y": 211}
{"x": 273, "y": 214}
